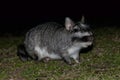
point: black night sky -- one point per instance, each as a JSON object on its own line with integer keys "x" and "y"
{"x": 17, "y": 17}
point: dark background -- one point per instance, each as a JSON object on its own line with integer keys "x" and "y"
{"x": 18, "y": 16}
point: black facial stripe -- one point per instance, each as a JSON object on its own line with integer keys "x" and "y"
{"x": 78, "y": 27}
{"x": 83, "y": 39}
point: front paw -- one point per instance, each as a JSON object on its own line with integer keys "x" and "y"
{"x": 77, "y": 61}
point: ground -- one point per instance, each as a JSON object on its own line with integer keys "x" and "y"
{"x": 101, "y": 63}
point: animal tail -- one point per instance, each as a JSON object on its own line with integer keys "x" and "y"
{"x": 24, "y": 55}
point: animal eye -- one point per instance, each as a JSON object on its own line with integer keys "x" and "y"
{"x": 75, "y": 30}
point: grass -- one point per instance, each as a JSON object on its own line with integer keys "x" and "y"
{"x": 101, "y": 63}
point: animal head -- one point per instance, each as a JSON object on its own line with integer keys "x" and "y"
{"x": 81, "y": 32}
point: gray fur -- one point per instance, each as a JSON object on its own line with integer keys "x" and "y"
{"x": 55, "y": 41}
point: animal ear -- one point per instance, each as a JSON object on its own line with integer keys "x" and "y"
{"x": 83, "y": 19}
{"x": 69, "y": 23}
